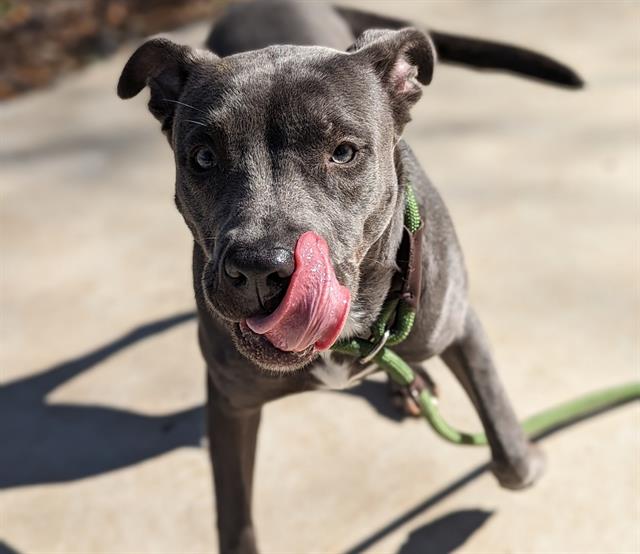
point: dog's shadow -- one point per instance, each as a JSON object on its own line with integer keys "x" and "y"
{"x": 44, "y": 443}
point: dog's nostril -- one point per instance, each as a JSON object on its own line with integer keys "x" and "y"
{"x": 240, "y": 280}
{"x": 232, "y": 271}
{"x": 234, "y": 274}
{"x": 278, "y": 279}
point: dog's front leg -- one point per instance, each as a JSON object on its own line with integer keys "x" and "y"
{"x": 515, "y": 461}
{"x": 232, "y": 446}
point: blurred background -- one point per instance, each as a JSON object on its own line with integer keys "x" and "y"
{"x": 101, "y": 381}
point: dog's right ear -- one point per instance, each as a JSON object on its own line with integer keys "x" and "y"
{"x": 164, "y": 67}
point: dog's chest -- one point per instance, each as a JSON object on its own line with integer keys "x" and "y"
{"x": 337, "y": 374}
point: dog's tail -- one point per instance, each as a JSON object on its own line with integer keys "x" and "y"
{"x": 474, "y": 52}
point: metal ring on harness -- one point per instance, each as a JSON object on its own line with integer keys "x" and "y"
{"x": 379, "y": 346}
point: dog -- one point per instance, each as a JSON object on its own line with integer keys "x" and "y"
{"x": 291, "y": 174}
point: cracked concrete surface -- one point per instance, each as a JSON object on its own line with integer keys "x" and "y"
{"x": 102, "y": 382}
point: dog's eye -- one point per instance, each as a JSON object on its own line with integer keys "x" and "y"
{"x": 203, "y": 158}
{"x": 344, "y": 153}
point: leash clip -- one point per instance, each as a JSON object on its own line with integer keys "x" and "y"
{"x": 383, "y": 340}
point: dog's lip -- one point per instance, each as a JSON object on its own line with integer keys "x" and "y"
{"x": 275, "y": 357}
{"x": 246, "y": 331}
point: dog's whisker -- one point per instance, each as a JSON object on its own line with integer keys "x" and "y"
{"x": 185, "y": 105}
{"x": 195, "y": 122}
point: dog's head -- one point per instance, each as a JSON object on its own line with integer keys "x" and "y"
{"x": 275, "y": 143}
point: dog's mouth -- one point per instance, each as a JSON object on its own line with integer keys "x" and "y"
{"x": 310, "y": 317}
{"x": 315, "y": 306}
{"x": 259, "y": 350}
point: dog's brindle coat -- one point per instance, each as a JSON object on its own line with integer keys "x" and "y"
{"x": 253, "y": 134}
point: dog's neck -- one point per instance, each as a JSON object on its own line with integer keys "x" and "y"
{"x": 379, "y": 263}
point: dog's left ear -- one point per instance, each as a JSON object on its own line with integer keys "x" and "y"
{"x": 403, "y": 60}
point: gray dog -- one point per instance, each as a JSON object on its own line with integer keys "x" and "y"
{"x": 291, "y": 175}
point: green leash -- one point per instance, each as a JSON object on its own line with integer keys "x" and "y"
{"x": 383, "y": 336}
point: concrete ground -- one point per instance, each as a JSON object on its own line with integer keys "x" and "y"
{"x": 102, "y": 382}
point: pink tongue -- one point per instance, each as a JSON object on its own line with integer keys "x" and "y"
{"x": 315, "y": 307}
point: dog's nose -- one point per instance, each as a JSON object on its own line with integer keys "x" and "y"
{"x": 261, "y": 276}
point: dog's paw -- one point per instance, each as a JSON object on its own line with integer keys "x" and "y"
{"x": 402, "y": 400}
{"x": 243, "y": 543}
{"x": 522, "y": 474}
